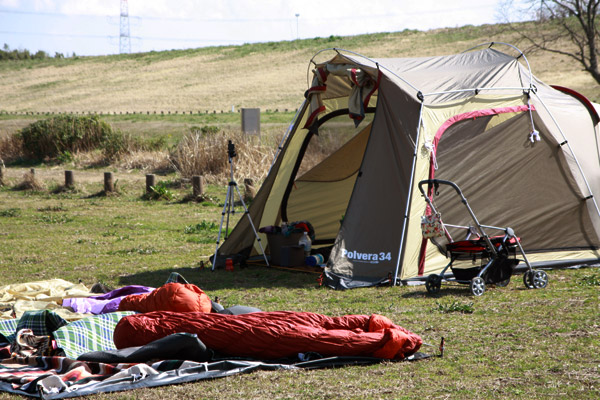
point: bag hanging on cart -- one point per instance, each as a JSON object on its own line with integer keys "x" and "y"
{"x": 432, "y": 226}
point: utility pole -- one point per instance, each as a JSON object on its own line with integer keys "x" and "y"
{"x": 297, "y": 34}
{"x": 124, "y": 37}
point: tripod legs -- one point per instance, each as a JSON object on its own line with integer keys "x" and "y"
{"x": 247, "y": 213}
{"x": 228, "y": 208}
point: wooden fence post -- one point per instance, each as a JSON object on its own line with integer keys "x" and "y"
{"x": 150, "y": 182}
{"x": 249, "y": 190}
{"x": 69, "y": 179}
{"x": 198, "y": 185}
{"x": 2, "y": 175}
{"x": 109, "y": 186}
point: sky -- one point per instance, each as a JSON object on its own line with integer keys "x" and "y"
{"x": 95, "y": 27}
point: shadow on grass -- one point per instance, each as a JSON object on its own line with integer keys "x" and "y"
{"x": 453, "y": 291}
{"x": 250, "y": 277}
{"x": 456, "y": 290}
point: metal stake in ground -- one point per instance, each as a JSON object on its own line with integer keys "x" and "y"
{"x": 229, "y": 207}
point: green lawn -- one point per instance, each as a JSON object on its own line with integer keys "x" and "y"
{"x": 510, "y": 343}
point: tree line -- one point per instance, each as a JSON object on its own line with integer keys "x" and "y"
{"x": 7, "y": 54}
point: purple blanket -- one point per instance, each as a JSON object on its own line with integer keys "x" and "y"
{"x": 105, "y": 303}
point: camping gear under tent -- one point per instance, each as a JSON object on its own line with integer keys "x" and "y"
{"x": 526, "y": 154}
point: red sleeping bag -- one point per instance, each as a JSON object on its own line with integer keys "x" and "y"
{"x": 169, "y": 297}
{"x": 270, "y": 335}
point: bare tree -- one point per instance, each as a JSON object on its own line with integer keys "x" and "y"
{"x": 572, "y": 20}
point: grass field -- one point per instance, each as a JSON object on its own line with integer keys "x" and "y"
{"x": 509, "y": 343}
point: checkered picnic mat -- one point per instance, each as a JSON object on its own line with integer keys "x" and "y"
{"x": 94, "y": 333}
{"x": 41, "y": 322}
{"x": 8, "y": 330}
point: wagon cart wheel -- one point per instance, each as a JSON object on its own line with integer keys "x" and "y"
{"x": 477, "y": 286}
{"x": 527, "y": 279}
{"x": 503, "y": 283}
{"x": 433, "y": 284}
{"x": 539, "y": 279}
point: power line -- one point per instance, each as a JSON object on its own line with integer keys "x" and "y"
{"x": 59, "y": 35}
{"x": 162, "y": 38}
{"x": 360, "y": 16}
{"x": 148, "y": 17}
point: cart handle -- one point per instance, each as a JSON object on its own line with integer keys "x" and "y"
{"x": 436, "y": 184}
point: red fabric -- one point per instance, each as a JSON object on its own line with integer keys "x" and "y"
{"x": 477, "y": 245}
{"x": 270, "y": 335}
{"x": 170, "y": 297}
{"x": 465, "y": 246}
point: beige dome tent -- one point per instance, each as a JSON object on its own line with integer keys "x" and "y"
{"x": 525, "y": 154}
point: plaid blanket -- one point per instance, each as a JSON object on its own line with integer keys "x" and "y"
{"x": 60, "y": 377}
{"x": 94, "y": 333}
{"x": 41, "y": 322}
{"x": 8, "y": 330}
{"x": 176, "y": 277}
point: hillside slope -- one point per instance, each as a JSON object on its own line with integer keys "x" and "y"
{"x": 268, "y": 75}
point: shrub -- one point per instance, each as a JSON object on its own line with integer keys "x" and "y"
{"x": 51, "y": 137}
{"x": 115, "y": 145}
{"x": 205, "y": 130}
{"x": 160, "y": 191}
{"x": 11, "y": 148}
{"x": 201, "y": 228}
{"x": 65, "y": 157}
{"x": 154, "y": 144}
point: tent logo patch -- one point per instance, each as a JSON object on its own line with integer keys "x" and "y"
{"x": 372, "y": 258}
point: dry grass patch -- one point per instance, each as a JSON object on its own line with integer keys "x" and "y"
{"x": 10, "y": 148}
{"x": 156, "y": 161}
{"x": 30, "y": 182}
{"x": 207, "y": 155}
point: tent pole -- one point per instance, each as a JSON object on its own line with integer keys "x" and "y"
{"x": 479, "y": 90}
{"x": 410, "y": 187}
{"x": 521, "y": 54}
{"x": 376, "y": 64}
{"x": 587, "y": 184}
